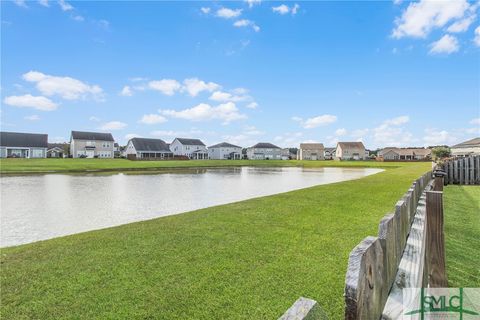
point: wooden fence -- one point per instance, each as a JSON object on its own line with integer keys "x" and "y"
{"x": 462, "y": 170}
{"x": 408, "y": 252}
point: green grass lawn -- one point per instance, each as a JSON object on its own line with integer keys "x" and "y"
{"x": 79, "y": 165}
{"x": 246, "y": 260}
{"x": 462, "y": 235}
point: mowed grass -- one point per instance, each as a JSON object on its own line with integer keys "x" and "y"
{"x": 462, "y": 235}
{"x": 246, "y": 260}
{"x": 22, "y": 166}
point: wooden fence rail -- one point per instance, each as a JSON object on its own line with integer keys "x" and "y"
{"x": 462, "y": 170}
{"x": 408, "y": 252}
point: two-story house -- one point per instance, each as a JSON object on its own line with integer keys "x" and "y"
{"x": 311, "y": 151}
{"x": 91, "y": 144}
{"x": 225, "y": 151}
{"x": 194, "y": 149}
{"x": 350, "y": 151}
{"x": 264, "y": 151}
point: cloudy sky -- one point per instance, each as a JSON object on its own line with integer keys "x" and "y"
{"x": 386, "y": 73}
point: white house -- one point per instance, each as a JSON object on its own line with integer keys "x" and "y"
{"x": 91, "y": 145}
{"x": 264, "y": 151}
{"x": 143, "y": 148}
{"x": 194, "y": 149}
{"x": 350, "y": 151}
{"x": 467, "y": 148}
{"x": 225, "y": 151}
{"x": 23, "y": 145}
{"x": 311, "y": 151}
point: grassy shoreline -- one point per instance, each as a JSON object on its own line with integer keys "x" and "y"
{"x": 40, "y": 166}
{"x": 251, "y": 259}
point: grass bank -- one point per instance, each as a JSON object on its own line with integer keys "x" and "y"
{"x": 23, "y": 166}
{"x": 462, "y": 235}
{"x": 246, "y": 260}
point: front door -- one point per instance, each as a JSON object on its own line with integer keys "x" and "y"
{"x": 90, "y": 153}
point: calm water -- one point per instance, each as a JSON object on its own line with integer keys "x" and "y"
{"x": 41, "y": 207}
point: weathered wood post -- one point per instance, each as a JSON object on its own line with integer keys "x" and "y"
{"x": 439, "y": 175}
{"x": 435, "y": 250}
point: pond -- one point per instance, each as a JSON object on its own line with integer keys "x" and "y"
{"x": 39, "y": 207}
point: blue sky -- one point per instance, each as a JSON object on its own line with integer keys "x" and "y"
{"x": 386, "y": 73}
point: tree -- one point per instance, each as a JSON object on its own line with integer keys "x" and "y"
{"x": 440, "y": 153}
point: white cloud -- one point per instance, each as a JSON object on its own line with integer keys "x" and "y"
{"x": 132, "y": 135}
{"x": 475, "y": 121}
{"x": 66, "y": 87}
{"x": 252, "y": 105}
{"x": 437, "y": 137}
{"x": 126, "y": 91}
{"x": 397, "y": 2}
{"x": 447, "y": 44}
{"x": 104, "y": 24}
{"x": 93, "y": 118}
{"x": 113, "y": 125}
{"x": 284, "y": 9}
{"x": 227, "y": 13}
{"x": 461, "y": 25}
{"x": 205, "y": 10}
{"x": 252, "y": 131}
{"x": 194, "y": 86}
{"x": 65, "y": 5}
{"x": 251, "y": 3}
{"x": 78, "y": 18}
{"x": 44, "y": 3}
{"x": 20, "y": 3}
{"x": 341, "y": 132}
{"x": 165, "y": 86}
{"x": 476, "y": 40}
{"x": 397, "y": 121}
{"x": 420, "y": 18}
{"x": 246, "y": 23}
{"x": 281, "y": 9}
{"x": 360, "y": 133}
{"x": 226, "y": 112}
{"x": 225, "y": 96}
{"x": 29, "y": 101}
{"x": 391, "y": 133}
{"x": 314, "y": 122}
{"x": 152, "y": 119}
{"x": 33, "y": 117}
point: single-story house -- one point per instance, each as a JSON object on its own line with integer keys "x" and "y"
{"x": 194, "y": 149}
{"x": 329, "y": 153}
{"x": 23, "y": 145}
{"x": 466, "y": 148}
{"x": 225, "y": 151}
{"x": 264, "y": 151}
{"x": 91, "y": 145}
{"x": 405, "y": 153}
{"x": 57, "y": 150}
{"x": 311, "y": 151}
{"x": 350, "y": 151}
{"x": 143, "y": 148}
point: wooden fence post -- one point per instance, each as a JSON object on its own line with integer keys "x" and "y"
{"x": 435, "y": 251}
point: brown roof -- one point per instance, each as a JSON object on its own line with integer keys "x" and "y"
{"x": 407, "y": 151}
{"x": 358, "y": 144}
{"x": 475, "y": 142}
{"x": 311, "y": 146}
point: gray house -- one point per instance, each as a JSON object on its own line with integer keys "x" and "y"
{"x": 91, "y": 145}
{"x": 143, "y": 148}
{"x": 264, "y": 151}
{"x": 225, "y": 151}
{"x": 23, "y": 145}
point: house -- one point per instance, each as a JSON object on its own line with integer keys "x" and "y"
{"x": 392, "y": 153}
{"x": 264, "y": 151}
{"x": 194, "y": 149}
{"x": 466, "y": 148}
{"x": 57, "y": 150}
{"x": 116, "y": 150}
{"x": 91, "y": 145}
{"x": 311, "y": 151}
{"x": 350, "y": 151}
{"x": 143, "y": 148}
{"x": 329, "y": 153}
{"x": 225, "y": 151}
{"x": 23, "y": 145}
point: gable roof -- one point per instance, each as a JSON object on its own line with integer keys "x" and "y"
{"x": 330, "y": 149}
{"x": 99, "y": 136}
{"x": 190, "y": 142}
{"x": 23, "y": 140}
{"x": 224, "y": 145}
{"x": 155, "y": 145}
{"x": 351, "y": 144}
{"x": 475, "y": 142}
{"x": 311, "y": 145}
{"x": 265, "y": 145}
